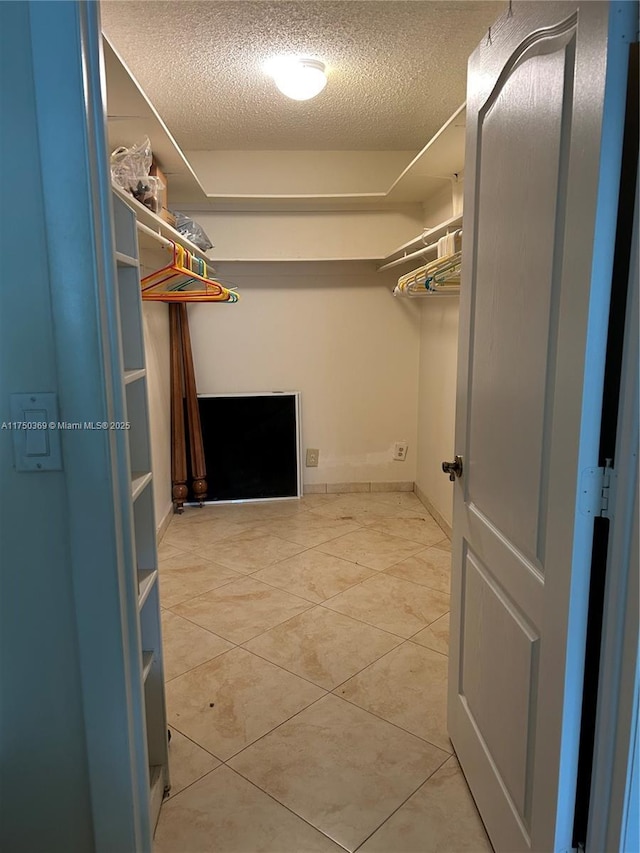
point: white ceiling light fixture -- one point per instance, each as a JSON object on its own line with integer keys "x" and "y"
{"x": 298, "y": 77}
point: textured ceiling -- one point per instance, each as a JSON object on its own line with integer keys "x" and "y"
{"x": 396, "y": 69}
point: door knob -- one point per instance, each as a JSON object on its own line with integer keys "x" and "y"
{"x": 453, "y": 469}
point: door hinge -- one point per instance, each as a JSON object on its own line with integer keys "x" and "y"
{"x": 596, "y": 491}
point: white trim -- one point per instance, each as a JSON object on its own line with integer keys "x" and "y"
{"x": 243, "y": 501}
{"x": 254, "y": 394}
{"x": 438, "y": 518}
{"x": 298, "y": 407}
{"x": 163, "y": 524}
{"x": 617, "y": 714}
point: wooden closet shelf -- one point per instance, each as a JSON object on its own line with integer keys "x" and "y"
{"x": 141, "y": 560}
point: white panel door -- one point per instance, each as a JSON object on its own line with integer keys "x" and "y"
{"x": 545, "y": 112}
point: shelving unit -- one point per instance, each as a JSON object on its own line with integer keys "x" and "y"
{"x": 144, "y": 579}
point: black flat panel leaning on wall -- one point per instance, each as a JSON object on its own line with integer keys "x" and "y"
{"x": 250, "y": 446}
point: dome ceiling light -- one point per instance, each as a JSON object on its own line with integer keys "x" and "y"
{"x": 298, "y": 77}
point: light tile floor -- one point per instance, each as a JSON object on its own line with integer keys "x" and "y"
{"x": 305, "y": 653}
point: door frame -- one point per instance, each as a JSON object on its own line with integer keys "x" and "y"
{"x": 68, "y": 73}
{"x": 614, "y": 813}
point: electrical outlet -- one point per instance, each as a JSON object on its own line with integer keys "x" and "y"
{"x": 400, "y": 451}
{"x": 313, "y": 455}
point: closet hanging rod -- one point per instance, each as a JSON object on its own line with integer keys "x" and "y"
{"x": 430, "y": 248}
{"x": 436, "y": 294}
{"x": 162, "y": 240}
{"x": 432, "y": 233}
{"x": 418, "y": 252}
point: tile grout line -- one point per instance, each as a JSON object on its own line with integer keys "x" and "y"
{"x": 186, "y": 787}
{"x": 404, "y": 731}
{"x": 262, "y": 791}
{"x": 242, "y": 644}
{"x": 284, "y": 806}
{"x": 202, "y": 663}
{"x": 311, "y": 604}
{"x": 195, "y": 743}
{"x": 276, "y": 562}
{"x": 276, "y": 727}
{"x": 361, "y": 527}
{"x": 428, "y": 625}
{"x": 199, "y": 745}
{"x": 377, "y": 660}
{"x": 328, "y": 690}
{"x": 199, "y": 595}
{"x": 213, "y": 634}
{"x": 260, "y": 657}
{"x": 403, "y": 803}
{"x": 321, "y": 603}
{"x": 422, "y": 646}
{"x": 423, "y": 585}
{"x": 235, "y": 580}
{"x": 371, "y": 526}
{"x": 395, "y": 725}
{"x": 273, "y": 586}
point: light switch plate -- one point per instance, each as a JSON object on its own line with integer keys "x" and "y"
{"x": 36, "y": 438}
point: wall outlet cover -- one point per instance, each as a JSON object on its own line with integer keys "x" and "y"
{"x": 313, "y": 455}
{"x": 400, "y": 451}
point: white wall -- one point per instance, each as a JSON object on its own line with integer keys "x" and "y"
{"x": 438, "y": 376}
{"x": 155, "y": 317}
{"x": 334, "y": 332}
{"x": 439, "y": 208}
{"x": 437, "y": 400}
{"x": 348, "y": 235}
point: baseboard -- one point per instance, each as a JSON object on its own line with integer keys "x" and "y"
{"x": 161, "y": 528}
{"x": 348, "y": 487}
{"x": 397, "y": 486}
{"x": 336, "y": 488}
{"x": 433, "y": 511}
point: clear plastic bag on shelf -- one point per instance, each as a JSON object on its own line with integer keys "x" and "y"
{"x": 129, "y": 166}
{"x": 149, "y": 191}
{"x": 192, "y": 231}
